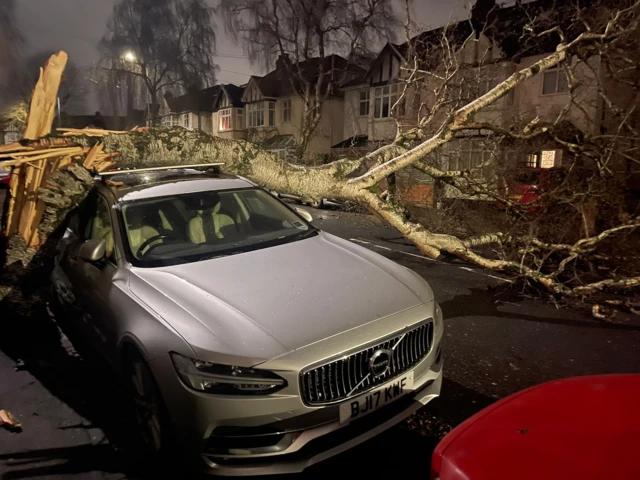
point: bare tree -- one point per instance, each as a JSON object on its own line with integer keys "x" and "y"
{"x": 305, "y": 34}
{"x": 456, "y": 105}
{"x": 11, "y": 43}
{"x": 164, "y": 43}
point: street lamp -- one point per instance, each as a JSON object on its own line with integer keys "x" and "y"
{"x": 130, "y": 56}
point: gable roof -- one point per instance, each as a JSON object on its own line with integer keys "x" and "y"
{"x": 195, "y": 101}
{"x": 285, "y": 78}
{"x": 503, "y": 25}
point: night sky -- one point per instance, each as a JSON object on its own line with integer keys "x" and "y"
{"x": 77, "y": 25}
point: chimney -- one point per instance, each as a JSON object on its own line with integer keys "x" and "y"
{"x": 482, "y": 9}
{"x": 283, "y": 61}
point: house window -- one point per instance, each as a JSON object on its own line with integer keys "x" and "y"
{"x": 175, "y": 120}
{"x": 272, "y": 114}
{"x": 364, "y": 103}
{"x": 286, "y": 111}
{"x": 469, "y": 156}
{"x": 239, "y": 119}
{"x": 255, "y": 112}
{"x": 282, "y": 154}
{"x": 531, "y": 160}
{"x": 224, "y": 122}
{"x": 554, "y": 81}
{"x": 385, "y": 98}
{"x": 185, "y": 120}
{"x": 166, "y": 121}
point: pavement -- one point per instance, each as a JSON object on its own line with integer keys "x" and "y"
{"x": 496, "y": 343}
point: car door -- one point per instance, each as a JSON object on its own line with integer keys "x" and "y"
{"x": 92, "y": 282}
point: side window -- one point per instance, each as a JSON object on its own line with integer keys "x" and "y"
{"x": 99, "y": 226}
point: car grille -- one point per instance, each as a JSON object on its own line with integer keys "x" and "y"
{"x": 349, "y": 376}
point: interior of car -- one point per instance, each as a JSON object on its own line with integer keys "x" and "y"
{"x": 216, "y": 219}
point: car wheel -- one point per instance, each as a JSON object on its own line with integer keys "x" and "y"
{"x": 148, "y": 405}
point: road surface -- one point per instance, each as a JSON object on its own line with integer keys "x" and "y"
{"x": 495, "y": 343}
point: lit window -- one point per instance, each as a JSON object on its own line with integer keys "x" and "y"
{"x": 224, "y": 122}
{"x": 364, "y": 103}
{"x": 255, "y": 112}
{"x": 272, "y": 114}
{"x": 185, "y": 120}
{"x": 385, "y": 99}
{"x": 286, "y": 111}
{"x": 554, "y": 81}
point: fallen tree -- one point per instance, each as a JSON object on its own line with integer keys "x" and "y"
{"x": 52, "y": 174}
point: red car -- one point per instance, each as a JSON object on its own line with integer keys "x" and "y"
{"x": 585, "y": 428}
{"x": 5, "y": 176}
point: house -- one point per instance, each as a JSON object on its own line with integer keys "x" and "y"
{"x": 9, "y": 132}
{"x": 490, "y": 50}
{"x": 275, "y": 105}
{"x": 192, "y": 110}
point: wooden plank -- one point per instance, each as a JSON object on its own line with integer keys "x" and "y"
{"x": 13, "y": 147}
{"x": 44, "y": 99}
{"x": 34, "y": 239}
{"x": 35, "y": 153}
{"x": 16, "y": 191}
{"x": 91, "y": 157}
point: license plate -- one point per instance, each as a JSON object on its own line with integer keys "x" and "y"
{"x": 376, "y": 399}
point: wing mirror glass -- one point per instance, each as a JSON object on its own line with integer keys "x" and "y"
{"x": 93, "y": 250}
{"x": 304, "y": 214}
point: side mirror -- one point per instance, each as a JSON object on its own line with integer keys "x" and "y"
{"x": 93, "y": 250}
{"x": 304, "y": 214}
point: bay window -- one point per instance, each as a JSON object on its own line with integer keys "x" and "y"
{"x": 385, "y": 99}
{"x": 224, "y": 120}
{"x": 255, "y": 112}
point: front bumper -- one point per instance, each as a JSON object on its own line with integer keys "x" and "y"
{"x": 278, "y": 434}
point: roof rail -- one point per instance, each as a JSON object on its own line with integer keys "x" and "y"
{"x": 136, "y": 170}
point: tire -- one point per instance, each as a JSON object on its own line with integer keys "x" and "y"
{"x": 149, "y": 410}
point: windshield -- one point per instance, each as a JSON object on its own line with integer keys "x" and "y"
{"x": 203, "y": 225}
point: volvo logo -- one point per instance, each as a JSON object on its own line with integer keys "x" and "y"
{"x": 380, "y": 362}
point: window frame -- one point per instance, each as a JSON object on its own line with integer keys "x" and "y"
{"x": 271, "y": 115}
{"x": 391, "y": 96}
{"x": 364, "y": 102}
{"x": 225, "y": 114}
{"x": 559, "y": 72}
{"x": 255, "y": 115}
{"x": 186, "y": 120}
{"x": 286, "y": 110}
{"x": 85, "y": 230}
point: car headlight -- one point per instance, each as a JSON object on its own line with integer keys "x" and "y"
{"x": 437, "y": 316}
{"x": 226, "y": 379}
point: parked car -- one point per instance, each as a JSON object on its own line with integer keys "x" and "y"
{"x": 582, "y": 427}
{"x": 5, "y": 176}
{"x": 531, "y": 184}
{"x": 251, "y": 339}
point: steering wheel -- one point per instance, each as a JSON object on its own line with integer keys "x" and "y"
{"x": 147, "y": 243}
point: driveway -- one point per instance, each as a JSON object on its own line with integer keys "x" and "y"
{"x": 496, "y": 343}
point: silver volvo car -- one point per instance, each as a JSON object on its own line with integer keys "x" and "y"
{"x": 251, "y": 341}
